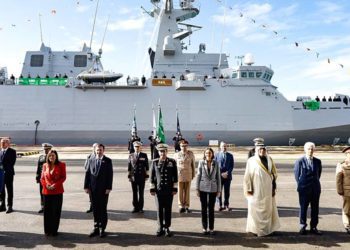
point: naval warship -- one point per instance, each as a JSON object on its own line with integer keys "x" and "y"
{"x": 214, "y": 101}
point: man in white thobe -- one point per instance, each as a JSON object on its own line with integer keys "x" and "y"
{"x": 259, "y": 189}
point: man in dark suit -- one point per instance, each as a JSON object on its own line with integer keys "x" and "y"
{"x": 7, "y": 161}
{"x": 42, "y": 159}
{"x": 164, "y": 187}
{"x": 138, "y": 174}
{"x": 98, "y": 182}
{"x": 307, "y": 171}
{"x": 226, "y": 164}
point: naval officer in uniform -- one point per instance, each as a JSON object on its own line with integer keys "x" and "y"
{"x": 42, "y": 160}
{"x": 164, "y": 187}
{"x": 138, "y": 174}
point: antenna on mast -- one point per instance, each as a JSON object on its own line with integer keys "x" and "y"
{"x": 104, "y": 35}
{"x": 222, "y": 35}
{"x": 41, "y": 30}
{"x": 93, "y": 26}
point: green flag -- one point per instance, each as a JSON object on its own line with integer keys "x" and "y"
{"x": 160, "y": 127}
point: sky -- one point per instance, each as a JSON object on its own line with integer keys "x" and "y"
{"x": 305, "y": 42}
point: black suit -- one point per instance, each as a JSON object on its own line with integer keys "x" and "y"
{"x": 41, "y": 161}
{"x": 138, "y": 173}
{"x": 98, "y": 179}
{"x": 8, "y": 160}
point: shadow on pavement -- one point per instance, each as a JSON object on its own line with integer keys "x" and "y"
{"x": 190, "y": 239}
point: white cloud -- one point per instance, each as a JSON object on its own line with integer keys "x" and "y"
{"x": 330, "y": 12}
{"x": 82, "y": 8}
{"x": 247, "y": 21}
{"x": 130, "y": 24}
{"x": 124, "y": 10}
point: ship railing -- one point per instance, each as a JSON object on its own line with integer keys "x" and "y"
{"x": 298, "y": 105}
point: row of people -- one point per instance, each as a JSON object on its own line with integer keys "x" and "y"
{"x": 259, "y": 187}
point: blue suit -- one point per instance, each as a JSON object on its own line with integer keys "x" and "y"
{"x": 307, "y": 177}
{"x": 226, "y": 163}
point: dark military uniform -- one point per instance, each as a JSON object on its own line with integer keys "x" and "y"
{"x": 177, "y": 140}
{"x": 153, "y": 146}
{"x": 41, "y": 161}
{"x": 251, "y": 152}
{"x": 131, "y": 143}
{"x": 138, "y": 173}
{"x": 164, "y": 184}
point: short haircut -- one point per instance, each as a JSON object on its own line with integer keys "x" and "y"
{"x": 308, "y": 144}
{"x": 100, "y": 145}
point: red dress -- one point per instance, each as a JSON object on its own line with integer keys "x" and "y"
{"x": 54, "y": 177}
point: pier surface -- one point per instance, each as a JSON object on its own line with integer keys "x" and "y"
{"x": 24, "y": 227}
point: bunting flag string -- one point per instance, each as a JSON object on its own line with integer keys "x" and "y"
{"x": 296, "y": 44}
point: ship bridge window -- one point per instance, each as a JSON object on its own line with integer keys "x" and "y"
{"x": 244, "y": 74}
{"x": 258, "y": 74}
{"x": 251, "y": 74}
{"x": 80, "y": 61}
{"x": 234, "y": 75}
{"x": 37, "y": 60}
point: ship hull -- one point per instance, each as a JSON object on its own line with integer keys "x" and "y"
{"x": 70, "y": 116}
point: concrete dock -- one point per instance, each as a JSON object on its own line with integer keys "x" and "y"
{"x": 24, "y": 227}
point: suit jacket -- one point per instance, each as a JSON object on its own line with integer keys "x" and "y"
{"x": 56, "y": 177}
{"x": 208, "y": 181}
{"x": 226, "y": 164}
{"x": 138, "y": 167}
{"x": 307, "y": 178}
{"x": 8, "y": 161}
{"x": 99, "y": 178}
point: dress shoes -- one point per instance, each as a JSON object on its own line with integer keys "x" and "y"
{"x": 347, "y": 230}
{"x": 9, "y": 210}
{"x": 102, "y": 233}
{"x": 302, "y": 231}
{"x": 160, "y": 232}
{"x": 94, "y": 232}
{"x": 89, "y": 210}
{"x": 41, "y": 211}
{"x": 135, "y": 211}
{"x": 315, "y": 231}
{"x": 182, "y": 210}
{"x": 221, "y": 209}
{"x": 168, "y": 233}
{"x": 2, "y": 208}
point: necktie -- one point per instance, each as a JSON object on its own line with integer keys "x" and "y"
{"x": 310, "y": 163}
